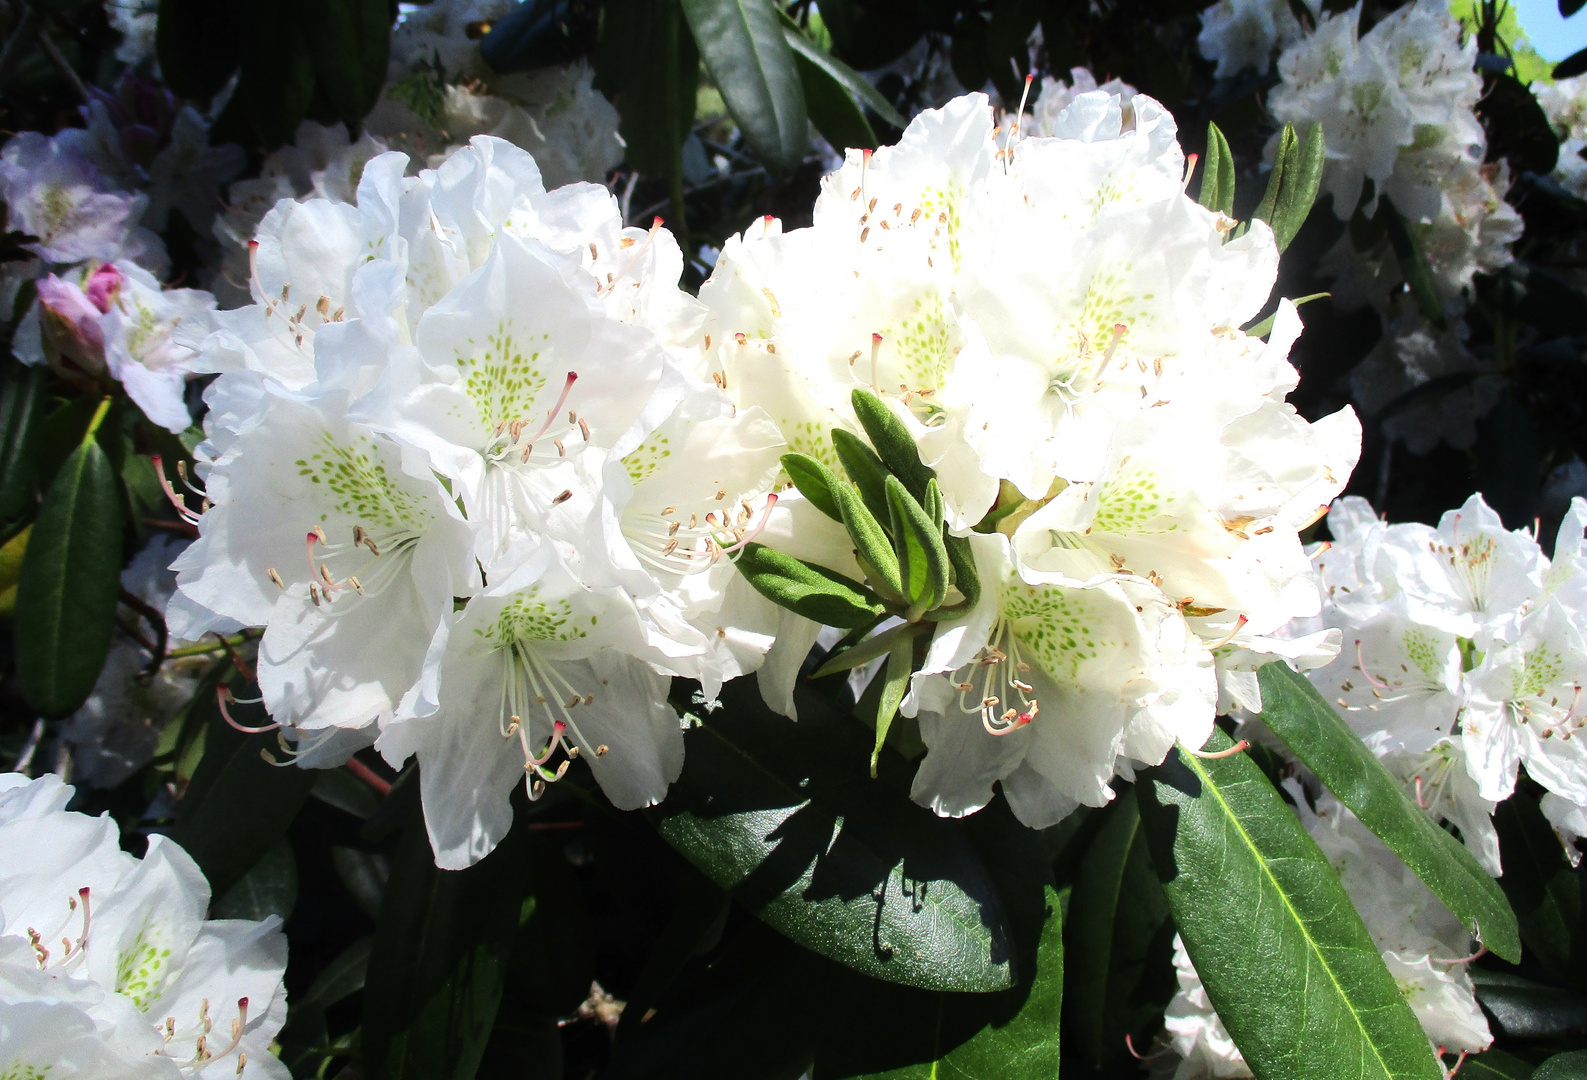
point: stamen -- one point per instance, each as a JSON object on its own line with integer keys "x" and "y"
{"x": 222, "y": 696}
{"x": 1215, "y": 755}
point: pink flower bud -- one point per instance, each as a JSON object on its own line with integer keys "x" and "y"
{"x": 103, "y": 284}
{"x": 70, "y": 320}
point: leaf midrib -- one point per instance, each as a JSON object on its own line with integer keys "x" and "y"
{"x": 1228, "y": 811}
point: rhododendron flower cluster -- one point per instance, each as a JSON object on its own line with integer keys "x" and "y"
{"x": 1425, "y": 947}
{"x": 108, "y": 967}
{"x": 1463, "y": 659}
{"x": 1130, "y": 443}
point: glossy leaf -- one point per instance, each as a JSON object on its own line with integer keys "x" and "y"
{"x": 1567, "y": 1066}
{"x": 965, "y": 577}
{"x": 1120, "y": 943}
{"x": 1286, "y": 960}
{"x": 71, "y": 577}
{"x": 21, "y": 394}
{"x": 814, "y": 481}
{"x": 364, "y": 875}
{"x": 1217, "y": 174}
{"x": 439, "y": 960}
{"x": 815, "y": 592}
{"x": 785, "y": 818}
{"x": 349, "y": 47}
{"x": 1313, "y": 729}
{"x": 341, "y": 978}
{"x": 744, "y": 49}
{"x": 647, "y": 63}
{"x": 270, "y": 887}
{"x": 1544, "y": 889}
{"x": 839, "y": 73}
{"x": 836, "y": 115}
{"x": 1523, "y": 1009}
{"x": 238, "y": 806}
{"x": 1495, "y": 1065}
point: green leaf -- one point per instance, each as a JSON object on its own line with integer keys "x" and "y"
{"x": 744, "y": 49}
{"x": 269, "y": 888}
{"x": 341, "y": 978}
{"x": 363, "y": 874}
{"x": 647, "y": 63}
{"x": 1302, "y": 180}
{"x": 237, "y": 806}
{"x": 71, "y": 577}
{"x": 872, "y": 548}
{"x": 864, "y": 468}
{"x": 1523, "y": 1009}
{"x": 349, "y": 47}
{"x": 1568, "y": 1066}
{"x": 851, "y": 81}
{"x": 1217, "y": 174}
{"x": 1120, "y": 943}
{"x": 341, "y": 789}
{"x": 1544, "y": 889}
{"x": 821, "y": 595}
{"x": 895, "y": 446}
{"x": 784, "y": 818}
{"x": 21, "y": 391}
{"x": 864, "y": 651}
{"x": 1313, "y": 729}
{"x": 834, "y": 113}
{"x": 1284, "y": 159}
{"x": 895, "y": 680}
{"x": 199, "y": 45}
{"x": 553, "y": 960}
{"x": 814, "y": 481}
{"x": 1495, "y": 1065}
{"x": 1287, "y": 962}
{"x": 917, "y": 539}
{"x": 965, "y": 577}
{"x": 1412, "y": 261}
{"x": 439, "y": 959}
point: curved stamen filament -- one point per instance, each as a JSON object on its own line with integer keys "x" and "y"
{"x": 1001, "y": 684}
{"x": 222, "y": 696}
{"x": 1214, "y": 755}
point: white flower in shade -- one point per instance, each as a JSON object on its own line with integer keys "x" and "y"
{"x": 108, "y": 961}
{"x": 537, "y": 668}
{"x": 1052, "y": 686}
{"x": 1239, "y": 35}
{"x": 136, "y": 20}
{"x": 438, "y": 34}
{"x": 1423, "y": 944}
{"x": 57, "y": 196}
{"x": 1413, "y": 354}
{"x": 1570, "y": 823}
{"x": 317, "y": 534}
{"x": 1058, "y": 94}
{"x": 1565, "y": 105}
{"x": 116, "y": 731}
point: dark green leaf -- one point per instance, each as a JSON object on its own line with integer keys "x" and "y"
{"x": 269, "y": 888}
{"x": 341, "y": 789}
{"x": 1287, "y": 962}
{"x": 697, "y": 918}
{"x": 1007, "y": 44}
{"x": 1523, "y": 1009}
{"x": 1217, "y": 174}
{"x": 1120, "y": 945}
{"x": 1569, "y": 1066}
{"x": 199, "y": 45}
{"x": 1285, "y": 158}
{"x": 364, "y": 874}
{"x": 1315, "y": 732}
{"x": 439, "y": 959}
{"x": 21, "y": 392}
{"x": 238, "y": 806}
{"x": 894, "y": 444}
{"x": 834, "y": 113}
{"x": 814, "y": 481}
{"x": 785, "y": 818}
{"x": 1545, "y": 891}
{"x": 855, "y": 84}
{"x": 341, "y": 979}
{"x": 1412, "y": 261}
{"x": 553, "y": 960}
{"x": 862, "y": 652}
{"x": 742, "y": 44}
{"x": 71, "y": 577}
{"x": 349, "y": 47}
{"x": 894, "y": 680}
{"x": 1518, "y": 128}
{"x": 815, "y": 592}
{"x": 922, "y": 558}
{"x": 1302, "y": 180}
{"x": 965, "y": 577}
{"x": 1573, "y": 65}
{"x": 1567, "y": 8}
{"x": 1495, "y": 1065}
{"x": 647, "y": 63}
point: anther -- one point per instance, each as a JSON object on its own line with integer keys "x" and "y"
{"x": 567, "y": 494}
{"x": 270, "y": 572}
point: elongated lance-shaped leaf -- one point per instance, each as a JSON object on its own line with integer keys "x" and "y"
{"x": 872, "y": 546}
{"x": 1217, "y": 174}
{"x": 747, "y": 54}
{"x": 71, "y": 576}
{"x": 833, "y": 112}
{"x": 1543, "y": 888}
{"x": 1302, "y": 180}
{"x": 864, "y": 468}
{"x": 965, "y": 578}
{"x": 934, "y": 504}
{"x": 922, "y": 558}
{"x": 815, "y": 482}
{"x": 1295, "y": 712}
{"x": 821, "y": 595}
{"x": 1285, "y": 160}
{"x": 900, "y": 666}
{"x": 865, "y": 651}
{"x": 1287, "y": 962}
{"x": 840, "y": 73}
{"x": 1412, "y": 261}
{"x": 894, "y": 444}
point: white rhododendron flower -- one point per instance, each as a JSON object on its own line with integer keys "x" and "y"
{"x": 1413, "y": 354}
{"x": 108, "y": 967}
{"x": 1565, "y": 105}
{"x": 1463, "y": 657}
{"x": 1057, "y": 94}
{"x": 1423, "y": 944}
{"x": 1157, "y": 478}
{"x": 456, "y": 407}
{"x": 1240, "y": 35}
{"x": 1395, "y": 104}
{"x": 56, "y": 195}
